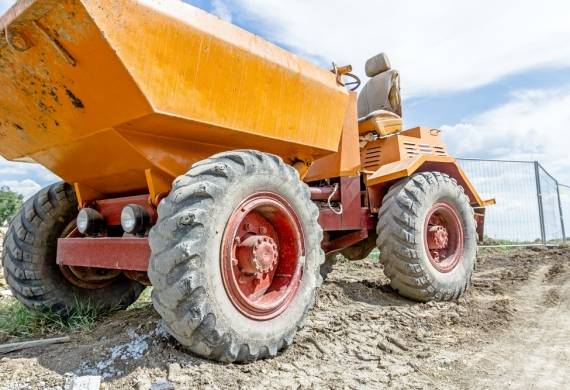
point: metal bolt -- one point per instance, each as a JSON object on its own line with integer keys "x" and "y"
{"x": 263, "y": 230}
{"x": 17, "y": 41}
{"x": 247, "y": 226}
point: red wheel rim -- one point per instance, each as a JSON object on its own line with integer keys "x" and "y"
{"x": 261, "y": 253}
{"x": 443, "y": 237}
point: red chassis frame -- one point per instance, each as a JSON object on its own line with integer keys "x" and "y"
{"x": 133, "y": 253}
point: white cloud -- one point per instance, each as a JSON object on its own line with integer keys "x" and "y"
{"x": 532, "y": 125}
{"x": 221, "y": 10}
{"x": 439, "y": 45}
{"x": 24, "y": 178}
{"x": 25, "y": 187}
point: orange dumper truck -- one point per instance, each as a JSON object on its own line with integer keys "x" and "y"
{"x": 220, "y": 169}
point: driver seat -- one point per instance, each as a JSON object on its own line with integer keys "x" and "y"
{"x": 380, "y": 103}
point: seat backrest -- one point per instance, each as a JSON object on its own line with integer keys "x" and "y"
{"x": 382, "y": 92}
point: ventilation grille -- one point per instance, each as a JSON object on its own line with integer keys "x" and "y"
{"x": 371, "y": 157}
{"x": 412, "y": 150}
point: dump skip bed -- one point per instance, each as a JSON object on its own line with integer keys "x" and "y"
{"x": 100, "y": 91}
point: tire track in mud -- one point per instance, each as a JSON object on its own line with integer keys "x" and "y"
{"x": 535, "y": 351}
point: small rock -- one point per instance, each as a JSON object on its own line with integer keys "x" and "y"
{"x": 162, "y": 384}
{"x": 5, "y": 293}
{"x": 384, "y": 347}
{"x": 86, "y": 383}
{"x": 397, "y": 342}
{"x": 454, "y": 318}
{"x": 174, "y": 371}
{"x": 143, "y": 383}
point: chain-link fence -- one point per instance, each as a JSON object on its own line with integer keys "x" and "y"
{"x": 565, "y": 207}
{"x": 532, "y": 207}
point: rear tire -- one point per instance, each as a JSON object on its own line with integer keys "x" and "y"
{"x": 417, "y": 270}
{"x": 29, "y": 258}
{"x": 188, "y": 269}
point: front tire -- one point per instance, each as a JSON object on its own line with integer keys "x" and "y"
{"x": 236, "y": 256}
{"x": 427, "y": 237}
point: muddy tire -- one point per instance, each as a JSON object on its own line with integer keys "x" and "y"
{"x": 29, "y": 258}
{"x": 427, "y": 237}
{"x": 193, "y": 277}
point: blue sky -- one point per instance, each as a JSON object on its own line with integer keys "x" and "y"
{"x": 495, "y": 76}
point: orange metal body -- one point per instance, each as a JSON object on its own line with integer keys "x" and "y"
{"x": 420, "y": 149}
{"x": 345, "y": 162}
{"x": 119, "y": 96}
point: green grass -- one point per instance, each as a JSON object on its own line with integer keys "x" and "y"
{"x": 17, "y": 320}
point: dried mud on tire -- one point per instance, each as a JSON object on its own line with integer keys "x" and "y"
{"x": 360, "y": 334}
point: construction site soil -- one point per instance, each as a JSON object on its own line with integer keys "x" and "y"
{"x": 511, "y": 330}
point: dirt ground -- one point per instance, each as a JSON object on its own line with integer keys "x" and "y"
{"x": 512, "y": 330}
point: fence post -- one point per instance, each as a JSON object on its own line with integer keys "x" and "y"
{"x": 540, "y": 206}
{"x": 561, "y": 212}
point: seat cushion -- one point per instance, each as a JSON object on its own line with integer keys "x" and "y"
{"x": 381, "y": 122}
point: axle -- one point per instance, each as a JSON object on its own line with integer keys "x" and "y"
{"x": 112, "y": 233}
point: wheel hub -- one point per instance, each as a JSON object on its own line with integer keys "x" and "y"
{"x": 438, "y": 238}
{"x": 443, "y": 237}
{"x": 257, "y": 255}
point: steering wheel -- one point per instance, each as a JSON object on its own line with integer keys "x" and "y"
{"x": 354, "y": 81}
